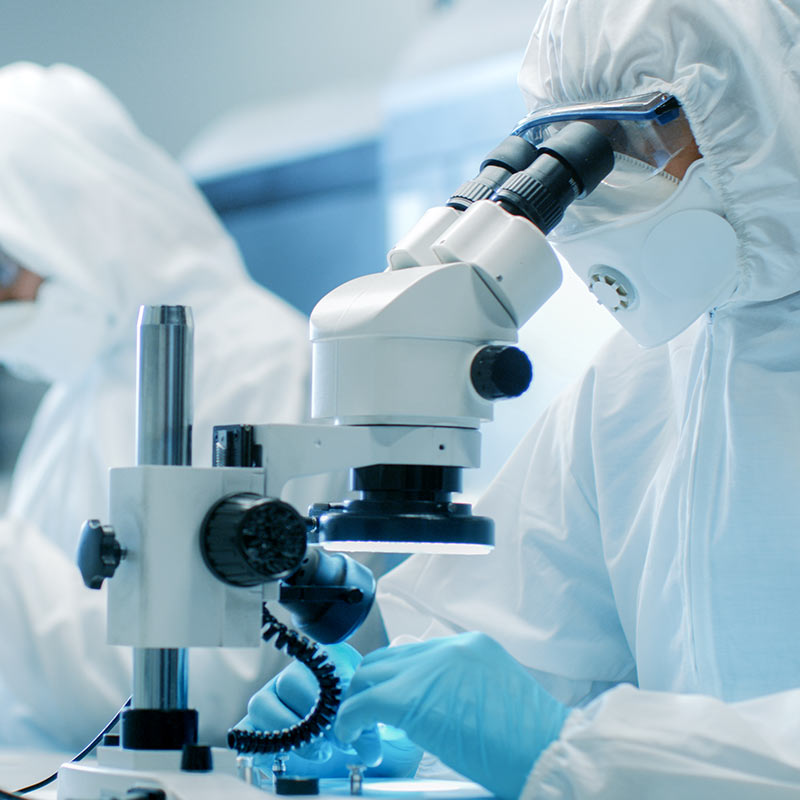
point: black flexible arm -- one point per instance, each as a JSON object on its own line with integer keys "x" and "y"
{"x": 318, "y": 719}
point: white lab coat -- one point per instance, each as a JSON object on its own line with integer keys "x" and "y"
{"x": 111, "y": 223}
{"x": 647, "y": 558}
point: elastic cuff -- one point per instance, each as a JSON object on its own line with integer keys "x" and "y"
{"x": 545, "y": 779}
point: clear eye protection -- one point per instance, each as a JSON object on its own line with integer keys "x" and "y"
{"x": 652, "y": 142}
{"x": 650, "y": 128}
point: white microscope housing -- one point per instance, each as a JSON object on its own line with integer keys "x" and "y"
{"x": 407, "y": 364}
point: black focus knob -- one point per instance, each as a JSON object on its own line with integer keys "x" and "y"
{"x": 196, "y": 758}
{"x": 99, "y": 553}
{"x": 145, "y": 793}
{"x": 500, "y": 371}
{"x": 295, "y": 785}
{"x": 247, "y": 540}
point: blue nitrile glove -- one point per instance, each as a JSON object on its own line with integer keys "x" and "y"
{"x": 462, "y": 698}
{"x": 290, "y": 695}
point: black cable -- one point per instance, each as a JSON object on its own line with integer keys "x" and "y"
{"x": 318, "y": 719}
{"x": 83, "y": 753}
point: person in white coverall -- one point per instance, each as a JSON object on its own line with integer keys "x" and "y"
{"x": 94, "y": 221}
{"x": 638, "y": 615}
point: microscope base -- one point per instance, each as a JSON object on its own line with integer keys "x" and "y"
{"x": 118, "y": 770}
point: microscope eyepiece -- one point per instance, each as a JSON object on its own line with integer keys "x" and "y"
{"x": 512, "y": 155}
{"x": 569, "y": 165}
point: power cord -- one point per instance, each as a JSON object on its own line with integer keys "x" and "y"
{"x": 318, "y": 719}
{"x": 83, "y": 753}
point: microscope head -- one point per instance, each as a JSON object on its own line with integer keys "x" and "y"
{"x": 430, "y": 343}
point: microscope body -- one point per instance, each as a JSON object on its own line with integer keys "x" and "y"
{"x": 407, "y": 364}
{"x": 393, "y": 385}
{"x": 396, "y": 347}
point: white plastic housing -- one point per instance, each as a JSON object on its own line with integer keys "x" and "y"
{"x": 290, "y": 451}
{"x": 396, "y": 347}
{"x": 162, "y": 594}
{"x": 517, "y": 258}
{"x": 414, "y": 249}
{"x": 117, "y": 770}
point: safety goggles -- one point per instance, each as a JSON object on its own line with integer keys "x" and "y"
{"x": 650, "y": 128}
{"x": 647, "y": 133}
{"x": 9, "y": 270}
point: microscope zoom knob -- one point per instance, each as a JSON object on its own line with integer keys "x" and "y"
{"x": 499, "y": 371}
{"x": 248, "y": 540}
{"x": 99, "y": 553}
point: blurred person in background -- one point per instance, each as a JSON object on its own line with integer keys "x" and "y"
{"x": 96, "y": 220}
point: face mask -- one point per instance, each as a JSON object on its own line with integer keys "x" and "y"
{"x": 55, "y": 338}
{"x": 659, "y": 270}
{"x": 630, "y": 188}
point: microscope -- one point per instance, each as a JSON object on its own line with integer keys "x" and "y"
{"x": 407, "y": 364}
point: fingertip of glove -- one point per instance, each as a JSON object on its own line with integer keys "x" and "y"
{"x": 369, "y": 747}
{"x": 318, "y": 751}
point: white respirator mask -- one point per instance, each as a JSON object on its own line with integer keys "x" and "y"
{"x": 54, "y": 338}
{"x": 656, "y": 271}
{"x": 655, "y": 250}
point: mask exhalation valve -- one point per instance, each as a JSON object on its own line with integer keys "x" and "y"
{"x": 612, "y": 289}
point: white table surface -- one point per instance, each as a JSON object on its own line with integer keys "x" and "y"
{"x": 20, "y": 768}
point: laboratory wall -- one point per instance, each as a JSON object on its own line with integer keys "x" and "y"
{"x": 309, "y": 224}
{"x": 177, "y": 65}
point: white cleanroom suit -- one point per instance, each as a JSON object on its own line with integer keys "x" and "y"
{"x": 110, "y": 222}
{"x": 648, "y": 555}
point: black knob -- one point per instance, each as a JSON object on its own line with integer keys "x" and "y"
{"x": 499, "y": 371}
{"x": 99, "y": 553}
{"x": 145, "y": 793}
{"x": 196, "y": 758}
{"x": 247, "y": 540}
{"x": 295, "y": 785}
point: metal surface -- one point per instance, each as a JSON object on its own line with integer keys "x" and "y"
{"x": 356, "y": 778}
{"x": 160, "y": 678}
{"x": 164, "y": 409}
{"x": 164, "y": 356}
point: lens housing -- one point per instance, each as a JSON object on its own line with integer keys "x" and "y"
{"x": 511, "y": 155}
{"x": 569, "y": 165}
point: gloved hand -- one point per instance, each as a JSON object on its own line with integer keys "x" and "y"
{"x": 462, "y": 698}
{"x": 290, "y": 695}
